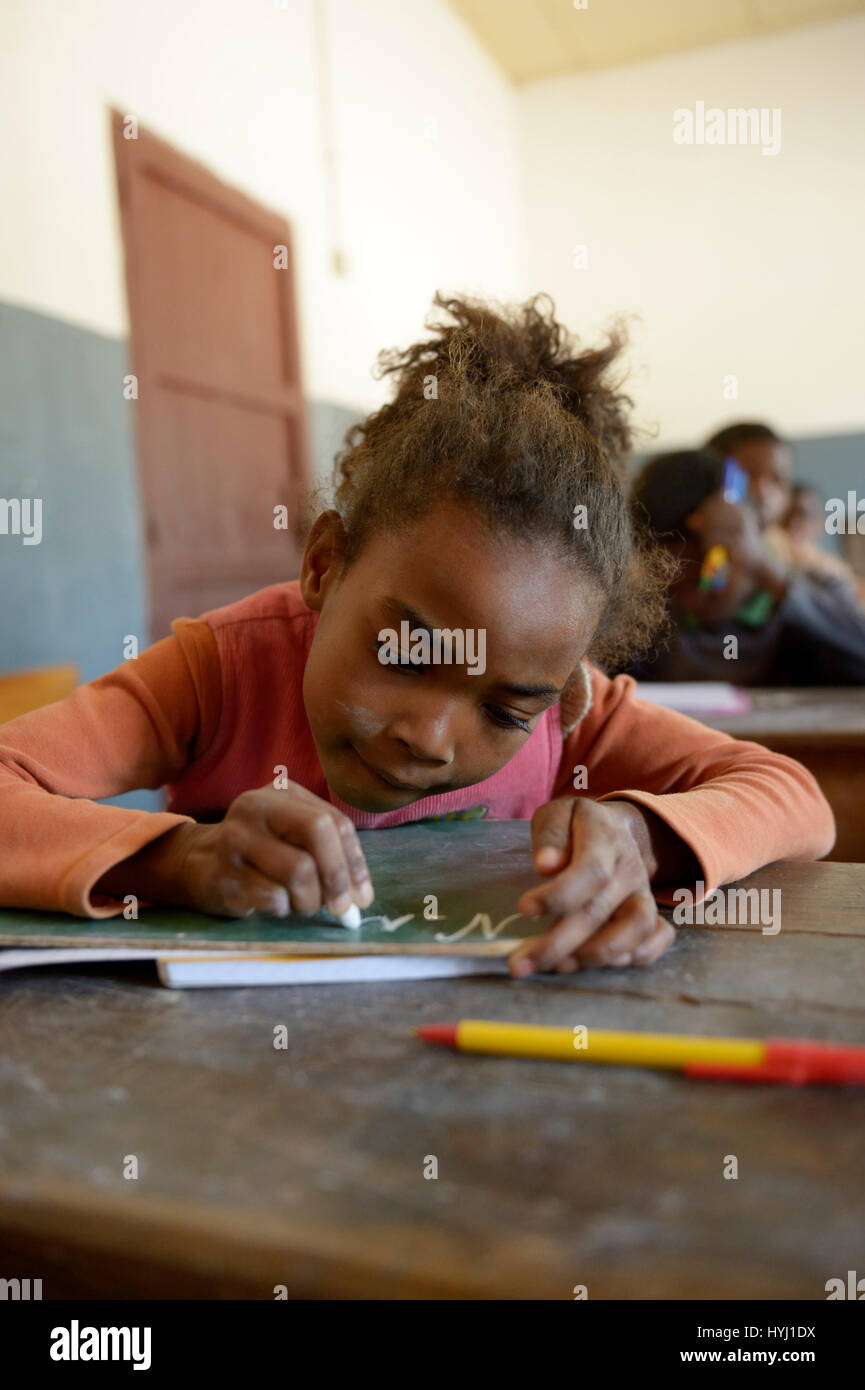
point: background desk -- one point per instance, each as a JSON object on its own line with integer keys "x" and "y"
{"x": 825, "y": 730}
{"x": 305, "y": 1167}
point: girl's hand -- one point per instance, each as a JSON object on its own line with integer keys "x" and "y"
{"x": 275, "y": 852}
{"x": 597, "y": 858}
{"x": 719, "y": 522}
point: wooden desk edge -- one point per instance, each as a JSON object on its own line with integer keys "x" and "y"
{"x": 249, "y": 1253}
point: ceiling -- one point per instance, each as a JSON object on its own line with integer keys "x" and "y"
{"x": 532, "y": 39}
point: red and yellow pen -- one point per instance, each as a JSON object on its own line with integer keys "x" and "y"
{"x": 796, "y": 1062}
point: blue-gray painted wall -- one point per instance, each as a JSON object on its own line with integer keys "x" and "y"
{"x": 66, "y": 436}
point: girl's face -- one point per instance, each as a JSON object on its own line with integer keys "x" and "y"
{"x": 388, "y": 735}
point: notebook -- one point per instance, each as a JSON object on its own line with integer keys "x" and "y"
{"x": 179, "y": 970}
{"x": 446, "y": 892}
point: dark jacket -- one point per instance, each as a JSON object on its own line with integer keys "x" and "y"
{"x": 815, "y": 636}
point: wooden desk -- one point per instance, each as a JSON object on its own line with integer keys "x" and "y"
{"x": 825, "y": 730}
{"x": 22, "y": 691}
{"x": 305, "y": 1167}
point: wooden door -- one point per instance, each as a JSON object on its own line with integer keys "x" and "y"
{"x": 220, "y": 417}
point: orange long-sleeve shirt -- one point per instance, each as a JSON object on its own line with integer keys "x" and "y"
{"x": 212, "y": 710}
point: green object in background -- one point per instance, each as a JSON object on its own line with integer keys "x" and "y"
{"x": 754, "y": 612}
{"x": 476, "y": 871}
{"x": 757, "y": 610}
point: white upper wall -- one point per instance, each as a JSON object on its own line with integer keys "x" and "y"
{"x": 233, "y": 83}
{"x": 738, "y": 263}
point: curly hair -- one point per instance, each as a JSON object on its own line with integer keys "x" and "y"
{"x": 500, "y": 410}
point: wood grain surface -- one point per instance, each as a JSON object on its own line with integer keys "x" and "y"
{"x": 825, "y": 731}
{"x": 304, "y": 1167}
{"x": 807, "y": 718}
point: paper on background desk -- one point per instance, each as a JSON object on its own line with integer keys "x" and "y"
{"x": 695, "y": 697}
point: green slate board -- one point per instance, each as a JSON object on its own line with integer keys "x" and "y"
{"x": 477, "y": 870}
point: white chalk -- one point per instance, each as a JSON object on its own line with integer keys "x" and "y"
{"x": 350, "y": 918}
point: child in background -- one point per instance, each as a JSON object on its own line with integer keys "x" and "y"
{"x": 493, "y": 506}
{"x": 806, "y": 518}
{"x": 768, "y": 461}
{"x": 798, "y": 542}
{"x": 791, "y": 627}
